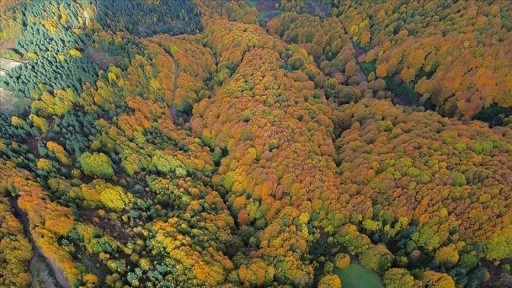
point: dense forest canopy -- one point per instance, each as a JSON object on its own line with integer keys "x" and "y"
{"x": 256, "y": 143}
{"x": 145, "y": 18}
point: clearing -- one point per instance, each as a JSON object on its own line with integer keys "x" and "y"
{"x": 356, "y": 276}
{"x": 102, "y": 59}
{"x": 9, "y": 104}
{"x": 267, "y": 9}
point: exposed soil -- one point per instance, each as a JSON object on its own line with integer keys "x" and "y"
{"x": 498, "y": 277}
{"x": 7, "y": 44}
{"x": 6, "y": 102}
{"x": 9, "y": 103}
{"x": 104, "y": 224}
{"x": 12, "y": 105}
{"x": 41, "y": 272}
{"x": 32, "y": 144}
{"x": 102, "y": 59}
{"x": 7, "y": 64}
{"x": 93, "y": 264}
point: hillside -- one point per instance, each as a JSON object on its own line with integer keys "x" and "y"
{"x": 256, "y": 143}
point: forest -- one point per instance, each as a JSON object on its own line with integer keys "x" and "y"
{"x": 261, "y": 143}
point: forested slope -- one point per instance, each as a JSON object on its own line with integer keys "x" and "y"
{"x": 202, "y": 144}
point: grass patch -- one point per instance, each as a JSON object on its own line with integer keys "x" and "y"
{"x": 368, "y": 67}
{"x": 356, "y": 276}
{"x": 251, "y": 3}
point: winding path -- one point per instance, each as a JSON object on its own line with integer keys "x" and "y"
{"x": 174, "y": 113}
{"x": 358, "y": 51}
{"x": 56, "y": 272}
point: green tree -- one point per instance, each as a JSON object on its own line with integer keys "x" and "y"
{"x": 97, "y": 165}
{"x": 398, "y": 278}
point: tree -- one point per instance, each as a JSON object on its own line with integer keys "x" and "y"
{"x": 97, "y": 165}
{"x": 113, "y": 197}
{"x": 498, "y": 247}
{"x": 398, "y": 278}
{"x": 15, "y": 250}
{"x": 330, "y": 281}
{"x": 438, "y": 280}
{"x": 377, "y": 258}
{"x": 342, "y": 260}
{"x": 59, "y": 152}
{"x": 447, "y": 255}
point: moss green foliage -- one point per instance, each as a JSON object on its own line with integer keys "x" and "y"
{"x": 94, "y": 241}
{"x": 459, "y": 179}
{"x": 468, "y": 261}
{"x": 97, "y": 165}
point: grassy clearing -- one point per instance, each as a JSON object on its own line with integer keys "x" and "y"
{"x": 368, "y": 67}
{"x": 251, "y": 3}
{"x": 267, "y": 9}
{"x": 356, "y": 276}
{"x": 267, "y": 15}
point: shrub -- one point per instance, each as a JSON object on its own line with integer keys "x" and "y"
{"x": 342, "y": 260}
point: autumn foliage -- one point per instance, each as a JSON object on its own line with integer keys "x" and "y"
{"x": 259, "y": 149}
